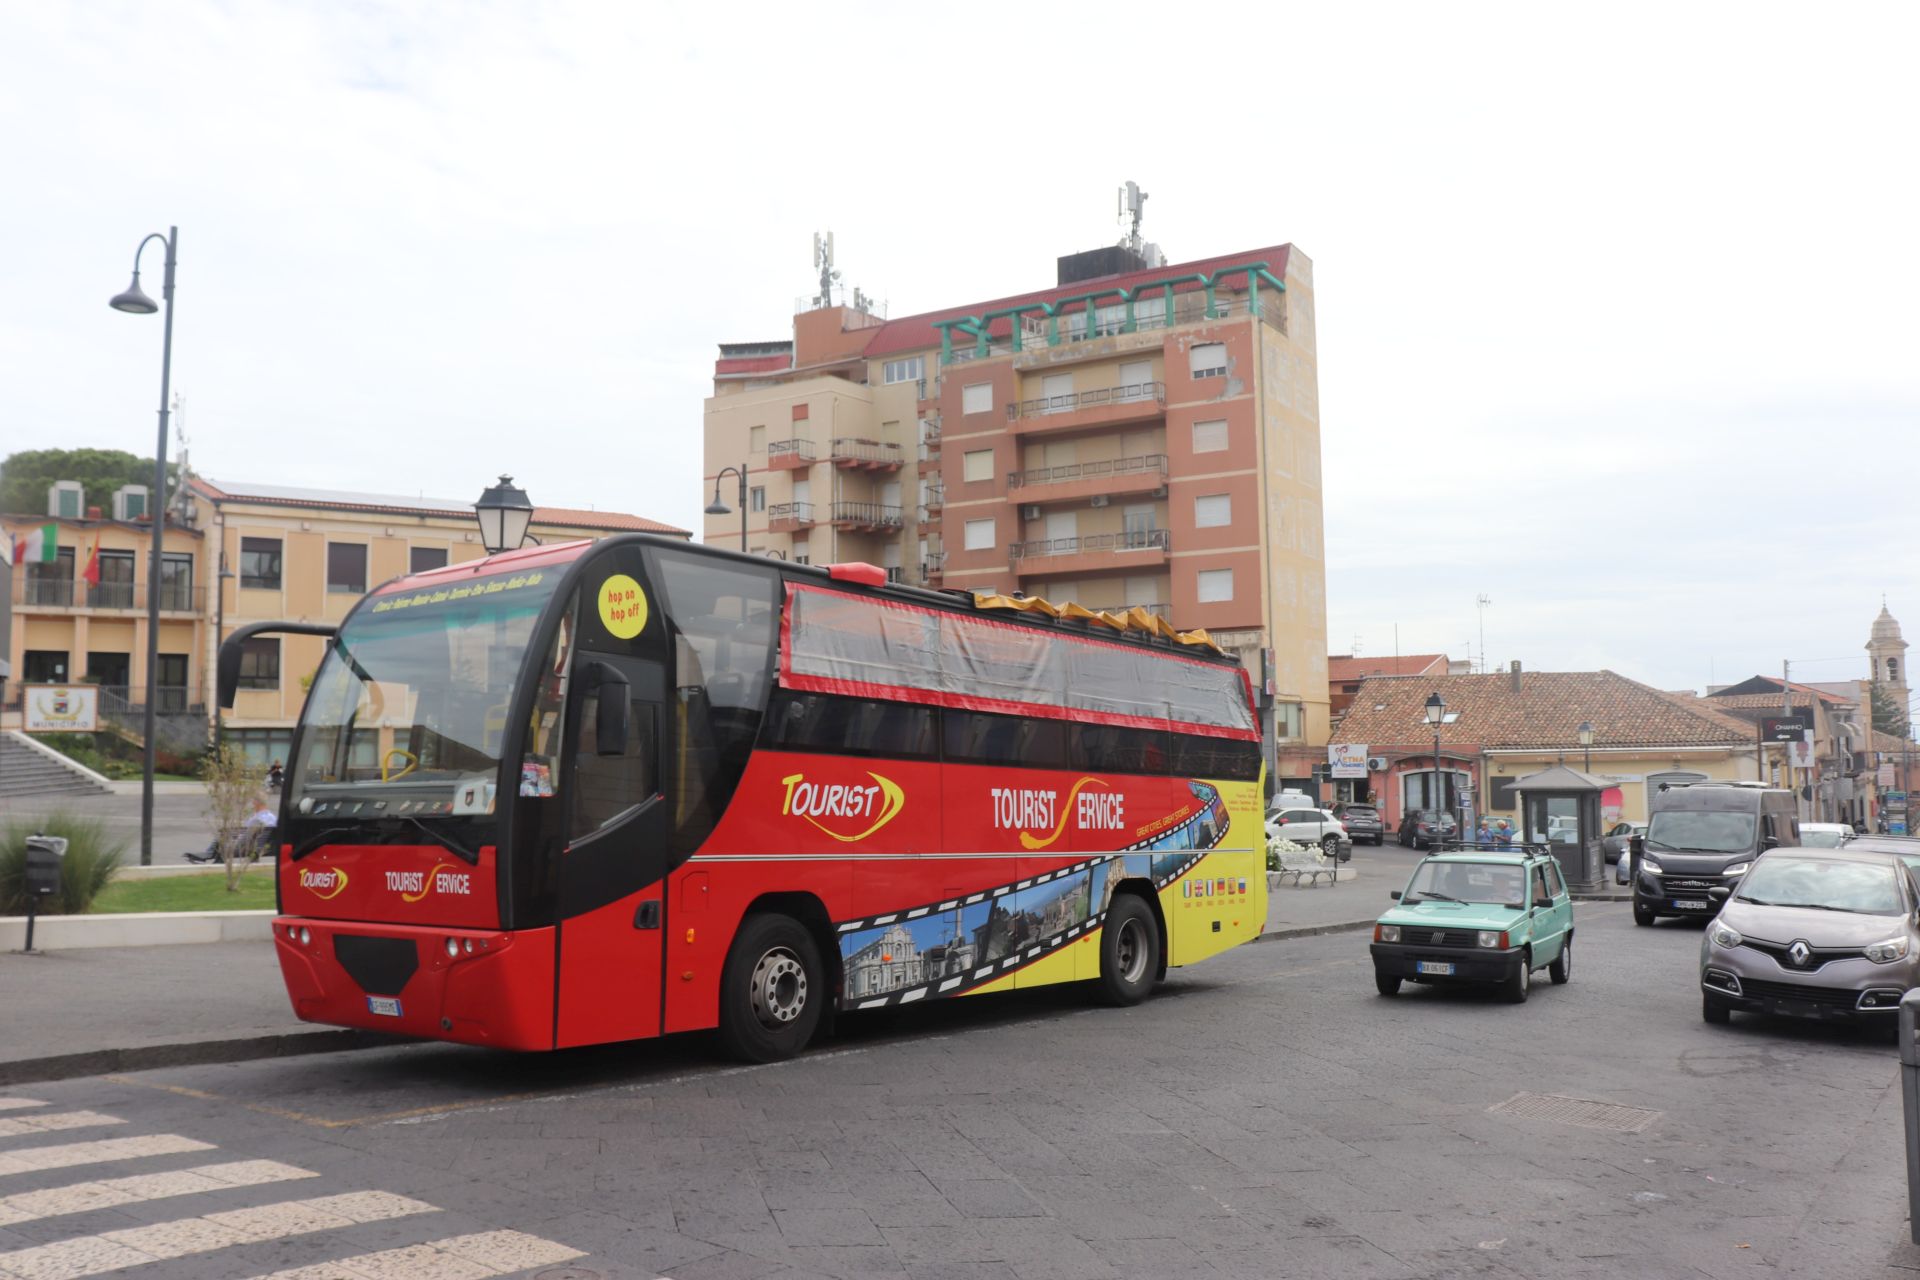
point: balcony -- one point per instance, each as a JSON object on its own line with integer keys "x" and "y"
{"x": 74, "y": 593}
{"x": 1079, "y": 481}
{"x": 933, "y": 569}
{"x": 866, "y": 455}
{"x": 790, "y": 517}
{"x": 789, "y": 455}
{"x": 1095, "y": 553}
{"x": 1089, "y": 410}
{"x": 867, "y": 517}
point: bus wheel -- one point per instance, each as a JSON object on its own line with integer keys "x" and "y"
{"x": 1129, "y": 951}
{"x": 771, "y": 991}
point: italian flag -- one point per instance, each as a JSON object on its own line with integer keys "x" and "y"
{"x": 41, "y": 546}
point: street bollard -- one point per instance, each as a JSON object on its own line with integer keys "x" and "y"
{"x": 43, "y": 875}
{"x": 1910, "y": 1103}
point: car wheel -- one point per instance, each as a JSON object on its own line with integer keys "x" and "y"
{"x": 1520, "y": 982}
{"x": 1642, "y": 915}
{"x": 1716, "y": 1011}
{"x": 1385, "y": 985}
{"x": 772, "y": 990}
{"x": 1129, "y": 951}
{"x": 1330, "y": 845}
{"x": 1561, "y": 970}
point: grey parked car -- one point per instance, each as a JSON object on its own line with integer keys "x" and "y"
{"x": 1815, "y": 933}
{"x": 1614, "y": 843}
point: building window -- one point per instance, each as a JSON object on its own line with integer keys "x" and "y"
{"x": 977, "y": 464}
{"x": 260, "y": 563}
{"x": 1207, "y": 359}
{"x": 176, "y": 581}
{"x": 757, "y": 498}
{"x": 115, "y": 588}
{"x": 905, "y": 370}
{"x": 1216, "y": 586}
{"x": 259, "y": 664}
{"x": 756, "y": 439}
{"x": 51, "y": 582}
{"x": 976, "y": 397}
{"x": 803, "y": 551}
{"x": 423, "y": 559}
{"x": 1212, "y": 511}
{"x": 170, "y": 688}
{"x": 44, "y": 666}
{"x": 347, "y": 567}
{"x": 979, "y": 535}
{"x": 1210, "y": 437}
{"x": 1288, "y": 721}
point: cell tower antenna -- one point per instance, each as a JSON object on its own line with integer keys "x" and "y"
{"x": 823, "y": 262}
{"x": 1356, "y": 644}
{"x": 1132, "y": 203}
{"x": 1481, "y": 602}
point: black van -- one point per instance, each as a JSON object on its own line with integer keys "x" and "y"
{"x": 1700, "y": 836}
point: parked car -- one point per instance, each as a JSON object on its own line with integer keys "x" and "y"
{"x": 1814, "y": 933}
{"x": 1824, "y": 835}
{"x": 1363, "y": 822}
{"x": 1703, "y": 837}
{"x": 1310, "y": 827}
{"x": 1614, "y": 843}
{"x": 1420, "y": 828}
{"x": 1477, "y": 916}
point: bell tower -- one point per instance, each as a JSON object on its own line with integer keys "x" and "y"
{"x": 1887, "y": 654}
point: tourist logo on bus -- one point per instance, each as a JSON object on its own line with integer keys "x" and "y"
{"x": 323, "y": 884}
{"x": 1025, "y": 809}
{"x": 412, "y": 886}
{"x": 846, "y": 804}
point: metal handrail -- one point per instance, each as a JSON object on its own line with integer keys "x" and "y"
{"x": 875, "y": 514}
{"x": 1130, "y": 540}
{"x": 865, "y": 450}
{"x": 1146, "y": 464}
{"x": 799, "y": 511}
{"x": 802, "y": 449}
{"x": 1132, "y": 393}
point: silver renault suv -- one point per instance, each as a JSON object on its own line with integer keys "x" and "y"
{"x": 1816, "y": 933}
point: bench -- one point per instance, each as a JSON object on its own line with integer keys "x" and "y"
{"x": 1298, "y": 863}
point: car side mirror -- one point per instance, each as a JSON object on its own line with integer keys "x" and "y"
{"x": 610, "y": 719}
{"x": 1768, "y": 842}
{"x": 1719, "y": 893}
{"x": 1395, "y": 895}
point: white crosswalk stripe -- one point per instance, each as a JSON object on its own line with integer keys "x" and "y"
{"x": 108, "y": 1193}
{"x": 469, "y": 1257}
{"x": 15, "y": 1104}
{"x": 16, "y": 1126}
{"x": 65, "y": 1156}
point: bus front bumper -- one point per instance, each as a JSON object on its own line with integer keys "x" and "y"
{"x": 474, "y": 986}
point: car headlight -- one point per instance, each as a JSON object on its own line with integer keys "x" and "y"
{"x": 1737, "y": 869}
{"x": 1648, "y": 864}
{"x": 1889, "y": 951}
{"x": 1492, "y": 938}
{"x": 1386, "y": 933}
{"x": 1725, "y": 935}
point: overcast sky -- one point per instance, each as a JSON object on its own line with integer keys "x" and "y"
{"x": 1618, "y": 314}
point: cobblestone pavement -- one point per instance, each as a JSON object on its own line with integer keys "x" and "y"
{"x": 1265, "y": 1114}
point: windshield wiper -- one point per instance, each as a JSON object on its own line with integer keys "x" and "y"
{"x": 1758, "y": 902}
{"x": 1437, "y": 897}
{"x": 447, "y": 842}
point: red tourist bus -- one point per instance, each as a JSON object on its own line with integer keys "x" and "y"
{"x": 607, "y": 790}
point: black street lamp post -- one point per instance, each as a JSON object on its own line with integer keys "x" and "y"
{"x": 220, "y": 630}
{"x": 504, "y": 513}
{"x": 719, "y": 508}
{"x": 1586, "y": 741}
{"x": 135, "y": 302}
{"x": 1437, "y": 716}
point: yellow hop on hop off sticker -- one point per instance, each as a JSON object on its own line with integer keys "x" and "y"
{"x": 623, "y": 606}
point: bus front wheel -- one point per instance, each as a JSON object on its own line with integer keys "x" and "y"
{"x": 1129, "y": 951}
{"x": 772, "y": 990}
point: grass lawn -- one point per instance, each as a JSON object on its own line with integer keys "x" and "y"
{"x": 197, "y": 891}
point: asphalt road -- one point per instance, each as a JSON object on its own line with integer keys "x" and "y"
{"x": 1265, "y": 1114}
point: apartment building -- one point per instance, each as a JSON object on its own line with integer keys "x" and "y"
{"x": 238, "y": 553}
{"x": 1135, "y": 435}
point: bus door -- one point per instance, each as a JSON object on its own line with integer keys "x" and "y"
{"x": 614, "y": 862}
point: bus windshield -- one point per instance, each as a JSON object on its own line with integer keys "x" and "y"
{"x": 416, "y": 689}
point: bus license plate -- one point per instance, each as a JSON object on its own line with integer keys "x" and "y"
{"x": 385, "y": 1006}
{"x": 1689, "y": 904}
{"x": 1436, "y": 968}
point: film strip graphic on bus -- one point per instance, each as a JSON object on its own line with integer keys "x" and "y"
{"x": 950, "y": 947}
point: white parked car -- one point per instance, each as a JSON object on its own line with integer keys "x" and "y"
{"x": 1825, "y": 835}
{"x": 1305, "y": 826}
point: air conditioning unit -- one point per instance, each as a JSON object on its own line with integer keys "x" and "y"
{"x": 1100, "y": 500}
{"x": 1161, "y": 492}
{"x": 1031, "y": 512}
{"x": 130, "y": 502}
{"x": 1376, "y": 764}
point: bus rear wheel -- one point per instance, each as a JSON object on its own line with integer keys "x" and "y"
{"x": 772, "y": 990}
{"x": 1129, "y": 951}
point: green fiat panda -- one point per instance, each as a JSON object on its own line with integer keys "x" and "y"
{"x": 1477, "y": 915}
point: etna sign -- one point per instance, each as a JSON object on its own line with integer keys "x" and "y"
{"x": 1793, "y": 728}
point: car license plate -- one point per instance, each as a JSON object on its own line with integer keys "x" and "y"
{"x": 385, "y": 1006}
{"x": 1435, "y": 967}
{"x": 1689, "y": 904}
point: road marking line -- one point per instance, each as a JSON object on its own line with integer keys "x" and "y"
{"x": 108, "y": 1193}
{"x": 38, "y": 1159}
{"x": 136, "y": 1246}
{"x": 17, "y": 1126}
{"x": 469, "y": 1257}
{"x": 14, "y": 1104}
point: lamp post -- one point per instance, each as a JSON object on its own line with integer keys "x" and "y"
{"x": 1585, "y": 732}
{"x": 719, "y": 508}
{"x": 220, "y": 630}
{"x": 503, "y": 513}
{"x": 1437, "y": 716}
{"x": 135, "y": 302}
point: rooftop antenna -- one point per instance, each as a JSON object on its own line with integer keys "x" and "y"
{"x": 1132, "y": 203}
{"x": 823, "y": 260}
{"x": 1356, "y": 644}
{"x": 1482, "y": 601}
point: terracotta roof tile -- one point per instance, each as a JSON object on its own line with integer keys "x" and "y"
{"x": 1546, "y": 712}
{"x": 1343, "y": 667}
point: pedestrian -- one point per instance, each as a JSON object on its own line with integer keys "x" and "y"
{"x": 275, "y": 775}
{"x": 1484, "y": 836}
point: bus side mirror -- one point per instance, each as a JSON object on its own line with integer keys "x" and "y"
{"x": 610, "y": 720}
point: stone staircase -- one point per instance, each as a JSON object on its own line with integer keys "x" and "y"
{"x": 25, "y": 770}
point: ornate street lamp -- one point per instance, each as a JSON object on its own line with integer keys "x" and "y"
{"x": 719, "y": 508}
{"x": 1586, "y": 740}
{"x": 504, "y": 514}
{"x": 1437, "y": 716}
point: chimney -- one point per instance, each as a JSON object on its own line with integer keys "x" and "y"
{"x": 1515, "y": 671}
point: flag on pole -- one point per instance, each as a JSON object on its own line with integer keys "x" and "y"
{"x": 41, "y": 546}
{"x": 92, "y": 572}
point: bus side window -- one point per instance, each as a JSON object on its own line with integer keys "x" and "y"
{"x": 604, "y": 787}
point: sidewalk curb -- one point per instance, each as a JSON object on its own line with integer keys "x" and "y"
{"x": 137, "y": 929}
{"x": 192, "y": 1053}
{"x": 1314, "y": 930}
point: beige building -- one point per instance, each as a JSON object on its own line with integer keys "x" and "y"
{"x": 1134, "y": 435}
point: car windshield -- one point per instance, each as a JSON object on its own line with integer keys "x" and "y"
{"x": 1498, "y": 882}
{"x": 1696, "y": 831}
{"x": 1823, "y": 884}
{"x": 1812, "y": 838}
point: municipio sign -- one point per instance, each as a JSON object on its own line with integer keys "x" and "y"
{"x": 60, "y": 708}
